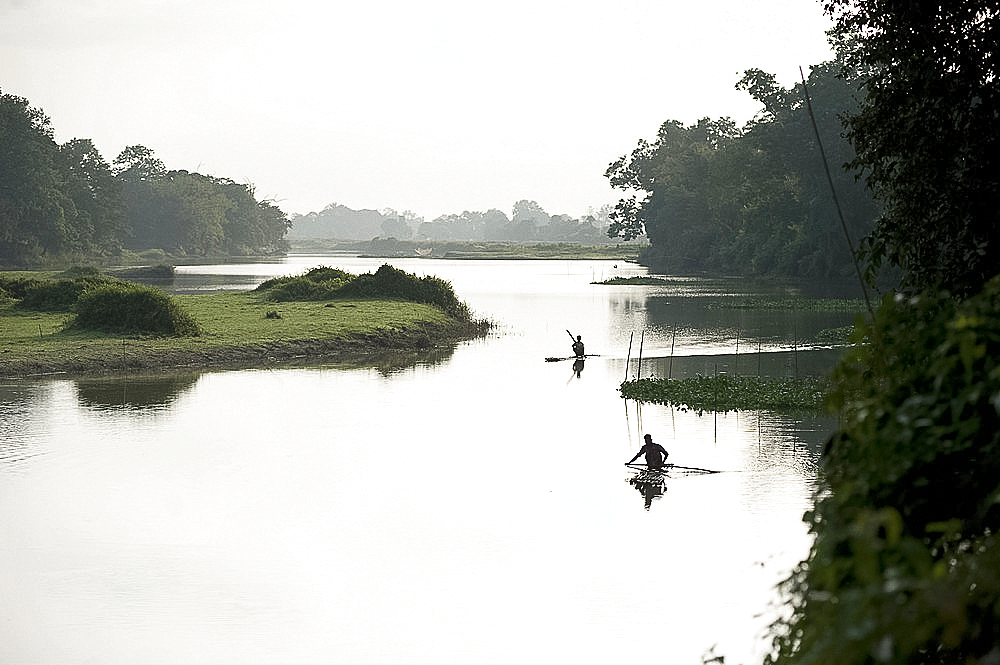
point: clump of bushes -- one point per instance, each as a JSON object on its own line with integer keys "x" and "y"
{"x": 904, "y": 565}
{"x": 325, "y": 283}
{"x": 389, "y": 282}
{"x": 61, "y": 294}
{"x": 123, "y": 307}
{"x": 320, "y": 283}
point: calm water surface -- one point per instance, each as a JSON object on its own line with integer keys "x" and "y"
{"x": 473, "y": 508}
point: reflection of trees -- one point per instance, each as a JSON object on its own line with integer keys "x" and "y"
{"x": 387, "y": 362}
{"x": 133, "y": 392}
{"x": 651, "y": 484}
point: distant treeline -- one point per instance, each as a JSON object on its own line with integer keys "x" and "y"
{"x": 712, "y": 197}
{"x": 528, "y": 223}
{"x": 63, "y": 202}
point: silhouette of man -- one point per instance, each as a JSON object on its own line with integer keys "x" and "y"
{"x": 578, "y": 347}
{"x": 656, "y": 455}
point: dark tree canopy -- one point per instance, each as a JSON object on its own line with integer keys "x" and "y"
{"x": 752, "y": 200}
{"x": 928, "y": 135}
{"x": 65, "y": 202}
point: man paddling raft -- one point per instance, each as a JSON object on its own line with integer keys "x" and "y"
{"x": 656, "y": 455}
{"x": 577, "y": 345}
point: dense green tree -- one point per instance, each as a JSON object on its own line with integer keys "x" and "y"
{"x": 33, "y": 205}
{"x": 54, "y": 200}
{"x": 905, "y": 564}
{"x": 97, "y": 196}
{"x": 928, "y": 136}
{"x": 191, "y": 213}
{"x": 751, "y": 200}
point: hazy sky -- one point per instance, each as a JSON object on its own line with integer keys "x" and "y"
{"x": 437, "y": 106}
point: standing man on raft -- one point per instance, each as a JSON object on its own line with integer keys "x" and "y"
{"x": 656, "y": 455}
{"x": 577, "y": 345}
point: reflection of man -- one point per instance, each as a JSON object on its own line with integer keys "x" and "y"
{"x": 578, "y": 347}
{"x": 649, "y": 488}
{"x": 578, "y": 367}
{"x": 656, "y": 455}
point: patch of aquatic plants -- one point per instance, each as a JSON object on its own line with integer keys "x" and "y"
{"x": 636, "y": 281}
{"x": 324, "y": 283}
{"x": 124, "y": 307}
{"x": 730, "y": 393}
{"x": 801, "y": 304}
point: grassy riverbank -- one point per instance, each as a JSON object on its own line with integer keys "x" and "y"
{"x": 238, "y": 329}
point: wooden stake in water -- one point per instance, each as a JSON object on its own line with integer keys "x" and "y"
{"x": 736, "y": 372}
{"x": 638, "y": 370}
{"x": 629, "y": 356}
{"x": 670, "y": 369}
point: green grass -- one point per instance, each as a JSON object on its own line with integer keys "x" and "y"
{"x": 233, "y": 325}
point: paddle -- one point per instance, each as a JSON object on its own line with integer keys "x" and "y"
{"x": 639, "y": 466}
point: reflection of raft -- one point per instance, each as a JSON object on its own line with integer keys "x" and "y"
{"x": 651, "y": 476}
{"x": 555, "y": 359}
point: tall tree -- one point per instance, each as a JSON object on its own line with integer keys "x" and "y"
{"x": 928, "y": 135}
{"x": 33, "y": 205}
{"x": 100, "y": 224}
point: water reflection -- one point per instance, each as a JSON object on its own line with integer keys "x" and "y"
{"x": 650, "y": 484}
{"x": 15, "y": 402}
{"x": 129, "y": 392}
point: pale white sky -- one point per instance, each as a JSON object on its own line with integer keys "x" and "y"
{"x": 436, "y": 107}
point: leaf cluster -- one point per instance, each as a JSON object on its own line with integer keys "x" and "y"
{"x": 904, "y": 565}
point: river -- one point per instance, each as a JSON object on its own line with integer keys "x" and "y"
{"x": 470, "y": 509}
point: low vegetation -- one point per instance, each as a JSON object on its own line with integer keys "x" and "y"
{"x": 114, "y": 324}
{"x": 324, "y": 283}
{"x": 730, "y": 393}
{"x": 125, "y": 308}
{"x": 636, "y": 281}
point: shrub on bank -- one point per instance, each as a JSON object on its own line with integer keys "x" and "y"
{"x": 123, "y": 307}
{"x": 61, "y": 294}
{"x": 389, "y": 282}
{"x": 324, "y": 283}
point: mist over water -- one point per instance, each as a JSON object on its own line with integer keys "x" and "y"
{"x": 472, "y": 508}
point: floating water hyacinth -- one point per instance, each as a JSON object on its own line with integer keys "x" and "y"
{"x": 729, "y": 393}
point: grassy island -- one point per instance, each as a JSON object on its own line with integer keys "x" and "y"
{"x": 92, "y": 324}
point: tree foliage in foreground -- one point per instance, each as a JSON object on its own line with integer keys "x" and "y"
{"x": 753, "y": 200}
{"x": 905, "y": 565}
